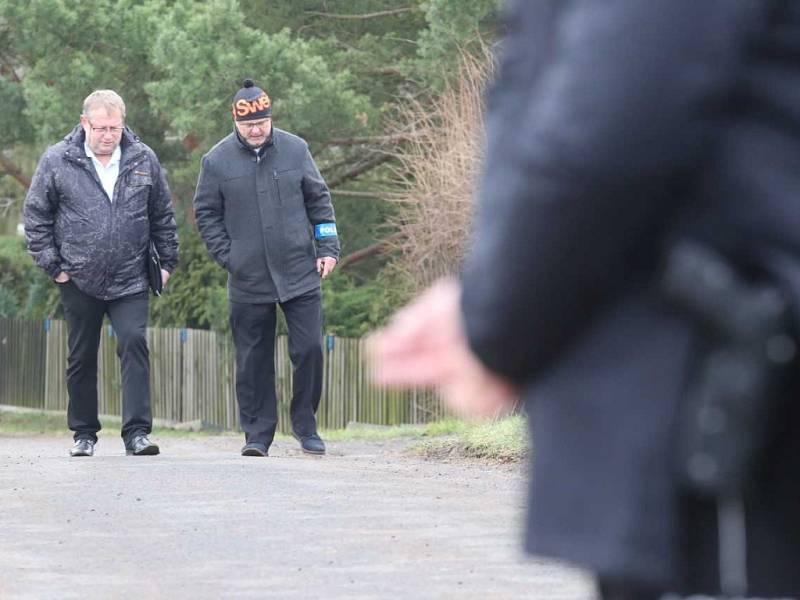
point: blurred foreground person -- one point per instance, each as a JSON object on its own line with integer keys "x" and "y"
{"x": 635, "y": 279}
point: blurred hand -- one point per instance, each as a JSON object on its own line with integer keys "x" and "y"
{"x": 325, "y": 265}
{"x": 164, "y": 278}
{"x": 425, "y": 345}
{"x": 61, "y": 278}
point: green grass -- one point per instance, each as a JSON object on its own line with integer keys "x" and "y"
{"x": 55, "y": 423}
{"x": 32, "y": 422}
{"x": 502, "y": 440}
{"x": 380, "y": 432}
{"x": 372, "y": 433}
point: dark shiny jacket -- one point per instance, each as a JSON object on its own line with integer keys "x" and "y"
{"x": 257, "y": 215}
{"x": 613, "y": 127}
{"x": 71, "y": 226}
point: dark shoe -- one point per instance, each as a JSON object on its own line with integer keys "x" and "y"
{"x": 141, "y": 446}
{"x": 82, "y": 447}
{"x": 254, "y": 449}
{"x": 311, "y": 444}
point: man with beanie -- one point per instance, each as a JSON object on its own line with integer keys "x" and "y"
{"x": 266, "y": 216}
{"x": 97, "y": 199}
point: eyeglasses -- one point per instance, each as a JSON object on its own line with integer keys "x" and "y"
{"x": 105, "y": 130}
{"x": 251, "y": 125}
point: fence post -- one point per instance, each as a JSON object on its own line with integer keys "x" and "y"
{"x": 192, "y": 373}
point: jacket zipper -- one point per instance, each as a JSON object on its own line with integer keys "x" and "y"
{"x": 277, "y": 187}
{"x": 132, "y": 164}
{"x": 89, "y": 166}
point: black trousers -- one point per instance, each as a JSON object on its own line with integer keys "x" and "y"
{"x": 253, "y": 327}
{"x": 84, "y": 315}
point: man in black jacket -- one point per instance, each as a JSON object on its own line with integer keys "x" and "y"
{"x": 613, "y": 129}
{"x": 95, "y": 201}
{"x": 266, "y": 216}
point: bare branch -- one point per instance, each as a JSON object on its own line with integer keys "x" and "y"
{"x": 390, "y": 71}
{"x": 359, "y": 170}
{"x": 10, "y": 168}
{"x": 375, "y": 139}
{"x": 372, "y": 250}
{"x": 333, "y": 166}
{"x": 5, "y": 206}
{"x": 376, "y": 194}
{"x": 8, "y": 69}
{"x": 404, "y": 40}
{"x": 362, "y": 17}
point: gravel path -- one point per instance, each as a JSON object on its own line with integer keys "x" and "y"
{"x": 200, "y": 521}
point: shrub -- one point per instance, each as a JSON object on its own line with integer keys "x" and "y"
{"x": 25, "y": 290}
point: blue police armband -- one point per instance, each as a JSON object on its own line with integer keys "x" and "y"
{"x": 324, "y": 230}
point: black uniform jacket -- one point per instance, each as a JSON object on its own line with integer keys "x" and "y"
{"x": 613, "y": 127}
{"x": 71, "y": 225}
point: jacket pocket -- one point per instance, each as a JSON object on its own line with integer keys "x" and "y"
{"x": 139, "y": 178}
{"x": 73, "y": 258}
{"x": 288, "y": 184}
{"x": 246, "y": 259}
{"x": 239, "y": 209}
{"x": 138, "y": 182}
{"x": 300, "y": 242}
{"x": 234, "y": 257}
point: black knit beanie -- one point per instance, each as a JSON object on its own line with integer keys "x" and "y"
{"x": 250, "y": 103}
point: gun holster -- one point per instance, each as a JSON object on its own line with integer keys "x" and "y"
{"x": 745, "y": 351}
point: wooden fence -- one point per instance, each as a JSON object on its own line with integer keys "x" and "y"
{"x": 192, "y": 378}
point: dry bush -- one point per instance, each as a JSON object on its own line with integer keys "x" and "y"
{"x": 439, "y": 168}
{"x": 5, "y": 206}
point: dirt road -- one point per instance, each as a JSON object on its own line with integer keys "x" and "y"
{"x": 200, "y": 521}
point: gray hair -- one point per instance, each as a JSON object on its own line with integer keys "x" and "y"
{"x": 105, "y": 99}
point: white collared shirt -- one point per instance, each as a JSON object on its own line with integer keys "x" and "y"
{"x": 109, "y": 173}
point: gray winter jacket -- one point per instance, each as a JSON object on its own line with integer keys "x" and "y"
{"x": 258, "y": 214}
{"x": 71, "y": 225}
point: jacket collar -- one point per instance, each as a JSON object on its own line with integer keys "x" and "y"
{"x": 270, "y": 143}
{"x": 129, "y": 145}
